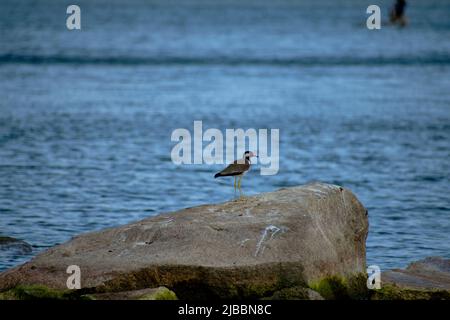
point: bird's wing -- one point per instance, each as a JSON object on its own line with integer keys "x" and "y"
{"x": 234, "y": 169}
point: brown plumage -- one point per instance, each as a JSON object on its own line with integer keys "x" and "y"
{"x": 235, "y": 169}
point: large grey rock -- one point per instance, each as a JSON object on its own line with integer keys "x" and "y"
{"x": 309, "y": 236}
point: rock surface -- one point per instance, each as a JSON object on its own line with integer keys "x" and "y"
{"x": 430, "y": 273}
{"x": 425, "y": 279}
{"x": 311, "y": 236}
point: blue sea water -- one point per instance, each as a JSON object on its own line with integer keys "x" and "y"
{"x": 86, "y": 116}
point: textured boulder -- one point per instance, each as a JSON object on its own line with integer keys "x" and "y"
{"x": 425, "y": 279}
{"x": 311, "y": 237}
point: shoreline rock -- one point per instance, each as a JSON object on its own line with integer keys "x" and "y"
{"x": 424, "y": 279}
{"x": 304, "y": 242}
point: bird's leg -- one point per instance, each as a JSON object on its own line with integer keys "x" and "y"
{"x": 239, "y": 186}
{"x": 234, "y": 183}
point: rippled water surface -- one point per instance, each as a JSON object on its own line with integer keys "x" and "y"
{"x": 86, "y": 116}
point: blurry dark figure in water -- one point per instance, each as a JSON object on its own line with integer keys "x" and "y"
{"x": 397, "y": 15}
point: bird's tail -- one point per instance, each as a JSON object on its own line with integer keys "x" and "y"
{"x": 217, "y": 175}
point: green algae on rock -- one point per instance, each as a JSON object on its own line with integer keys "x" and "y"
{"x": 393, "y": 292}
{"x": 339, "y": 288}
{"x": 38, "y": 292}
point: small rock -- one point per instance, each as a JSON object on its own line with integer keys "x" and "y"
{"x": 430, "y": 273}
{"x": 424, "y": 279}
{"x": 16, "y": 245}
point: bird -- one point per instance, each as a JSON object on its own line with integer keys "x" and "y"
{"x": 237, "y": 169}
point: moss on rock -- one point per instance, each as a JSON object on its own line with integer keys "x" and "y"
{"x": 339, "y": 288}
{"x": 393, "y": 292}
{"x": 295, "y": 293}
{"x": 161, "y": 294}
{"x": 38, "y": 292}
{"x": 331, "y": 288}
